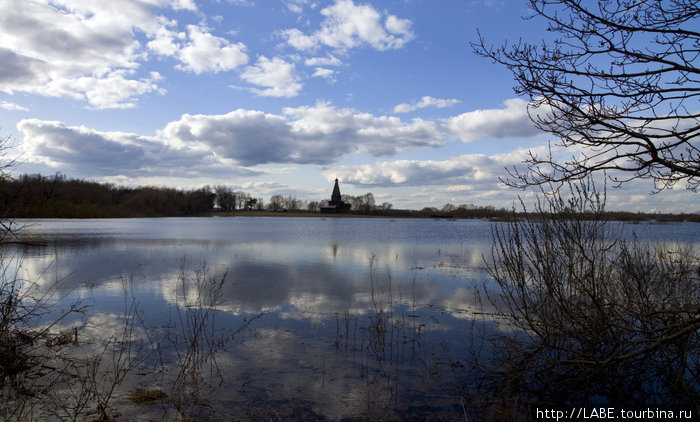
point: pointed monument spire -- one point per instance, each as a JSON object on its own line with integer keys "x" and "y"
{"x": 336, "y": 204}
{"x": 335, "y": 196}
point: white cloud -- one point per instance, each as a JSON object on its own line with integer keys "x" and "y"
{"x": 424, "y": 102}
{"x": 166, "y": 42}
{"x": 347, "y": 25}
{"x": 329, "y": 60}
{"x": 346, "y": 130}
{"x": 296, "y": 6}
{"x": 206, "y": 144}
{"x": 305, "y": 135}
{"x": 92, "y": 50}
{"x": 12, "y": 106}
{"x": 463, "y": 169}
{"x": 91, "y": 153}
{"x": 321, "y": 72}
{"x": 299, "y": 40}
{"x": 57, "y": 144}
{"x": 511, "y": 121}
{"x": 398, "y": 26}
{"x": 249, "y": 137}
{"x": 277, "y": 76}
{"x": 208, "y": 53}
{"x": 113, "y": 90}
{"x": 48, "y": 48}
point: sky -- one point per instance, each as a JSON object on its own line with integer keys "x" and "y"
{"x": 278, "y": 97}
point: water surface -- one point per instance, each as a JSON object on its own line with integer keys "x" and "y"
{"x": 316, "y": 318}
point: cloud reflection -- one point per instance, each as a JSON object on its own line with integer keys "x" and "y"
{"x": 312, "y": 278}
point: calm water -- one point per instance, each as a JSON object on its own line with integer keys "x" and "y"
{"x": 316, "y": 318}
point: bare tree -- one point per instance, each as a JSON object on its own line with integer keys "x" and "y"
{"x": 313, "y": 206}
{"x": 619, "y": 87}
{"x": 241, "y": 199}
{"x": 225, "y": 198}
{"x": 276, "y": 203}
{"x": 6, "y": 165}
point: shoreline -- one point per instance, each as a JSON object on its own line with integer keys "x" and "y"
{"x": 399, "y": 214}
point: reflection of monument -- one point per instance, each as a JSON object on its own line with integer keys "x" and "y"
{"x": 336, "y": 204}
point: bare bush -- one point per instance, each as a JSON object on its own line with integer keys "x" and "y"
{"x": 196, "y": 339}
{"x": 589, "y": 316}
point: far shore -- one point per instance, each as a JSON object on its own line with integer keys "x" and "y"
{"x": 499, "y": 216}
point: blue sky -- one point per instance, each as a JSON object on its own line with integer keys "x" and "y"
{"x": 277, "y": 97}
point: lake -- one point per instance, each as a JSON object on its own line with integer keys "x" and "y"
{"x": 289, "y": 318}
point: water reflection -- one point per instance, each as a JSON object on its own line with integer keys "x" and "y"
{"x": 307, "y": 276}
{"x": 343, "y": 318}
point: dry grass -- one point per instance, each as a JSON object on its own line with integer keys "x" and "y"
{"x": 142, "y": 396}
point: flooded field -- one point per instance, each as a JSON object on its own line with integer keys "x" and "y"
{"x": 270, "y": 318}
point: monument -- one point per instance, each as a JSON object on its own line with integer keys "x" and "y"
{"x": 336, "y": 204}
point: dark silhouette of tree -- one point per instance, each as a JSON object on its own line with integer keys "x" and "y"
{"x": 292, "y": 203}
{"x": 362, "y": 204}
{"x": 225, "y": 198}
{"x": 241, "y": 199}
{"x": 250, "y": 203}
{"x": 619, "y": 87}
{"x": 6, "y": 165}
{"x": 37, "y": 196}
{"x": 313, "y": 206}
{"x": 276, "y": 203}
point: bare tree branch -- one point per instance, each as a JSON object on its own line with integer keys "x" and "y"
{"x": 618, "y": 88}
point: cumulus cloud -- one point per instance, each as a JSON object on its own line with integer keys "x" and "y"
{"x": 347, "y": 25}
{"x": 197, "y": 50}
{"x": 93, "y": 153}
{"x": 511, "y": 121}
{"x": 296, "y": 6}
{"x": 322, "y": 72}
{"x": 112, "y": 90}
{"x": 58, "y": 144}
{"x": 205, "y": 52}
{"x": 277, "y": 76}
{"x": 207, "y": 144}
{"x": 329, "y": 60}
{"x": 458, "y": 170}
{"x": 248, "y": 136}
{"x": 76, "y": 40}
{"x": 12, "y": 106}
{"x": 93, "y": 50}
{"x": 318, "y": 134}
{"x": 166, "y": 41}
{"x": 424, "y": 102}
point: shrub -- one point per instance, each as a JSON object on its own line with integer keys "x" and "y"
{"x": 592, "y": 317}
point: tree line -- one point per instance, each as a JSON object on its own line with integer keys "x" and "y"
{"x": 57, "y": 196}
{"x": 39, "y": 196}
{"x": 34, "y": 196}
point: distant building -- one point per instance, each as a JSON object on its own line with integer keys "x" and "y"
{"x": 336, "y": 205}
